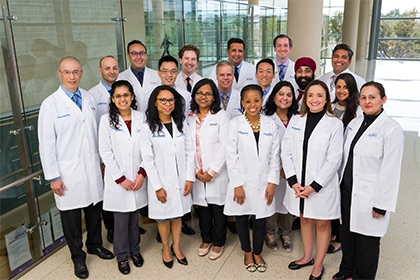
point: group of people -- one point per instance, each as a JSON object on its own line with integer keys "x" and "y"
{"x": 252, "y": 146}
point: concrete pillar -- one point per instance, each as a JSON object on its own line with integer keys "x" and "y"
{"x": 134, "y": 28}
{"x": 363, "y": 33}
{"x": 350, "y": 26}
{"x": 304, "y": 26}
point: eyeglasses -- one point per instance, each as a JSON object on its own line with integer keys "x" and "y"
{"x": 138, "y": 53}
{"x": 68, "y": 73}
{"x": 119, "y": 96}
{"x": 167, "y": 72}
{"x": 163, "y": 101}
{"x": 206, "y": 95}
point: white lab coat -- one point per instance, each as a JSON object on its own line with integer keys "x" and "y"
{"x": 234, "y": 105}
{"x": 168, "y": 162}
{"x": 180, "y": 82}
{"x": 246, "y": 76}
{"x": 102, "y": 99}
{"x": 289, "y": 75}
{"x": 325, "y": 146}
{"x": 377, "y": 158}
{"x": 150, "y": 81}
{"x": 251, "y": 168}
{"x": 281, "y": 187}
{"x": 212, "y": 137}
{"x": 68, "y": 146}
{"x": 184, "y": 93}
{"x": 120, "y": 152}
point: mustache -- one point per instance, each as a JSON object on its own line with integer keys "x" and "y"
{"x": 303, "y": 82}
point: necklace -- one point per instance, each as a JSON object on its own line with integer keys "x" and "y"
{"x": 254, "y": 126}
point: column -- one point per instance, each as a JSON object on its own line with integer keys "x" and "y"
{"x": 350, "y": 26}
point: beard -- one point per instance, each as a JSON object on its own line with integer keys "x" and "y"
{"x": 303, "y": 82}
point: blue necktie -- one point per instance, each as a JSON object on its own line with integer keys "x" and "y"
{"x": 236, "y": 74}
{"x": 281, "y": 72}
{"x": 77, "y": 100}
{"x": 140, "y": 75}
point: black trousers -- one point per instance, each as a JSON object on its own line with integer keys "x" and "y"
{"x": 212, "y": 223}
{"x": 72, "y": 228}
{"x": 108, "y": 218}
{"x": 258, "y": 233}
{"x": 360, "y": 252}
{"x": 126, "y": 235}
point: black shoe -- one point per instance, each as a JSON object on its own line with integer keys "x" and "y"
{"x": 110, "y": 236}
{"x": 168, "y": 264}
{"x": 339, "y": 276}
{"x": 232, "y": 227}
{"x": 180, "y": 261}
{"x": 137, "y": 260}
{"x": 318, "y": 277}
{"x": 296, "y": 224}
{"x": 158, "y": 238}
{"x": 186, "y": 217}
{"x": 80, "y": 270}
{"x": 124, "y": 267}
{"x": 186, "y": 229}
{"x": 102, "y": 253}
{"x": 142, "y": 230}
{"x": 295, "y": 266}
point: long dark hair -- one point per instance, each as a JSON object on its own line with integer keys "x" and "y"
{"x": 152, "y": 116}
{"x": 352, "y": 101}
{"x": 270, "y": 106}
{"x": 215, "y": 106}
{"x": 114, "y": 113}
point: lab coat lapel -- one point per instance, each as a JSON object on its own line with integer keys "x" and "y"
{"x": 70, "y": 105}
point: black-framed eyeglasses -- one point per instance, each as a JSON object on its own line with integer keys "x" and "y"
{"x": 163, "y": 101}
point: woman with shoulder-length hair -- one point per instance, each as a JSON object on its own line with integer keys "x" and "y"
{"x": 253, "y": 162}
{"x": 124, "y": 194}
{"x": 370, "y": 176}
{"x": 168, "y": 158}
{"x": 311, "y": 154}
{"x": 209, "y": 126}
{"x": 281, "y": 105}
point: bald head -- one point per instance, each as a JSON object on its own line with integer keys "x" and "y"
{"x": 70, "y": 73}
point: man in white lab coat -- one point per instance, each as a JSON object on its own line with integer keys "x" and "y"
{"x": 243, "y": 72}
{"x": 230, "y": 98}
{"x": 68, "y": 147}
{"x": 284, "y": 67}
{"x": 304, "y": 74}
{"x": 189, "y": 57}
{"x": 143, "y": 79}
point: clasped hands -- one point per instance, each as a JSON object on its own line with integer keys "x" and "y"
{"x": 302, "y": 192}
{"x": 133, "y": 186}
{"x": 203, "y": 176}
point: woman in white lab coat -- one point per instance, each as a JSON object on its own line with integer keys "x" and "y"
{"x": 345, "y": 107}
{"x": 371, "y": 167}
{"x": 119, "y": 147}
{"x": 168, "y": 158}
{"x": 253, "y": 162}
{"x": 281, "y": 105}
{"x": 209, "y": 126}
{"x": 311, "y": 154}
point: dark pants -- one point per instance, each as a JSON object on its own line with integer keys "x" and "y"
{"x": 126, "y": 235}
{"x": 335, "y": 229}
{"x": 258, "y": 233}
{"x": 360, "y": 252}
{"x": 212, "y": 224}
{"x": 108, "y": 218}
{"x": 72, "y": 228}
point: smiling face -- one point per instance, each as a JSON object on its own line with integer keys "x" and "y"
{"x": 122, "y": 98}
{"x": 371, "y": 101}
{"x": 252, "y": 103}
{"x": 340, "y": 61}
{"x": 236, "y": 53}
{"x": 137, "y": 56}
{"x": 224, "y": 78}
{"x": 168, "y": 72}
{"x": 265, "y": 74}
{"x": 165, "y": 104}
{"x": 282, "y": 49}
{"x": 284, "y": 98}
{"x": 204, "y": 97}
{"x": 303, "y": 76}
{"x": 341, "y": 91}
{"x": 316, "y": 98}
{"x": 109, "y": 70}
{"x": 70, "y": 73}
{"x": 189, "y": 62}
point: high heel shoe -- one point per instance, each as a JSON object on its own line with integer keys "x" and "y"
{"x": 180, "y": 261}
{"x": 168, "y": 264}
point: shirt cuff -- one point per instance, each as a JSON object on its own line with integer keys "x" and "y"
{"x": 317, "y": 187}
{"x": 53, "y": 179}
{"x": 379, "y": 211}
{"x": 142, "y": 172}
{"x": 292, "y": 180}
{"x": 120, "y": 180}
{"x": 211, "y": 172}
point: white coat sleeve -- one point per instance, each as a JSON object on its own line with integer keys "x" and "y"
{"x": 106, "y": 149}
{"x": 274, "y": 163}
{"x": 189, "y": 154}
{"x": 146, "y": 147}
{"x": 286, "y": 151}
{"x": 47, "y": 139}
{"x": 219, "y": 159}
{"x": 386, "y": 190}
{"x": 232, "y": 156}
{"x": 333, "y": 158}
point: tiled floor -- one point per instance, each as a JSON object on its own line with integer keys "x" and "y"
{"x": 400, "y": 248}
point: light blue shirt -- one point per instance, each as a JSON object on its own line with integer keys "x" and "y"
{"x": 70, "y": 94}
{"x": 108, "y": 88}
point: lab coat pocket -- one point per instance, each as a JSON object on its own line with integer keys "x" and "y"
{"x": 365, "y": 195}
{"x": 372, "y": 146}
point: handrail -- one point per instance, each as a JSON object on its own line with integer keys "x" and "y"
{"x": 22, "y": 180}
